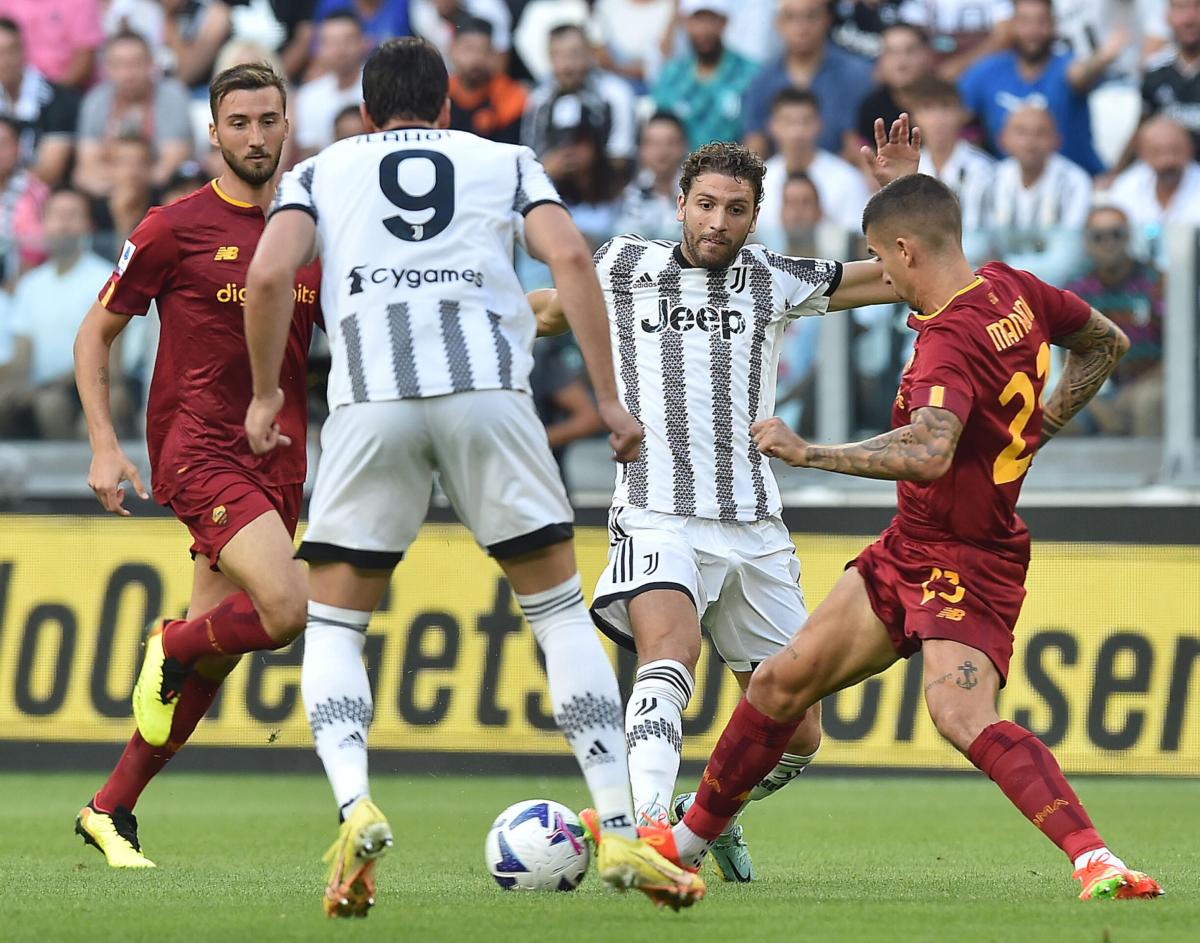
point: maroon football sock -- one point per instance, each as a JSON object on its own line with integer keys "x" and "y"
{"x": 232, "y": 628}
{"x": 141, "y": 762}
{"x": 1026, "y": 771}
{"x": 749, "y": 748}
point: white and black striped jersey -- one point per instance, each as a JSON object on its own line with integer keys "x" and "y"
{"x": 970, "y": 173}
{"x": 416, "y": 229}
{"x": 696, "y": 353}
{"x": 1061, "y": 196}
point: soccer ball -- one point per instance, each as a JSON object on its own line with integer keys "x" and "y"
{"x": 536, "y": 845}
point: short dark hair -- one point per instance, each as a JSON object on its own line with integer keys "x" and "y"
{"x": 791, "y": 95}
{"x": 566, "y": 29}
{"x": 9, "y": 25}
{"x": 474, "y": 26}
{"x": 405, "y": 78}
{"x": 932, "y": 92}
{"x": 918, "y": 204}
{"x": 127, "y": 35}
{"x": 248, "y": 76}
{"x": 728, "y": 159}
{"x": 664, "y": 117}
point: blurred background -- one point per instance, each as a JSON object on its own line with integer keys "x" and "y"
{"x": 1068, "y": 129}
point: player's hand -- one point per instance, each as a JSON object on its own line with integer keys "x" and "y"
{"x": 896, "y": 154}
{"x": 625, "y": 432}
{"x": 775, "y": 440}
{"x": 109, "y": 468}
{"x": 261, "y": 428}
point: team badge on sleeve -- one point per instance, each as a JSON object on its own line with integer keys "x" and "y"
{"x": 126, "y": 255}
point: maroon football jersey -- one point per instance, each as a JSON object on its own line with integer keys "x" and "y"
{"x": 191, "y": 256}
{"x": 983, "y": 356}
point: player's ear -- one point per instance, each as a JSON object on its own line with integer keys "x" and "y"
{"x": 366, "y": 118}
{"x": 754, "y": 219}
{"x": 212, "y": 135}
{"x": 679, "y": 203}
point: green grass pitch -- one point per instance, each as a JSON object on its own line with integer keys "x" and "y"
{"x": 857, "y": 859}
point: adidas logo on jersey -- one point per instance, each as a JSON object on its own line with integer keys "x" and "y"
{"x": 710, "y": 320}
{"x": 644, "y": 280}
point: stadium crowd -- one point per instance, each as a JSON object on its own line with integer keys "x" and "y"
{"x": 1067, "y": 128}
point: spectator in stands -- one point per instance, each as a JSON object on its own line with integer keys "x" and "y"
{"x": 61, "y": 37}
{"x": 579, "y": 104}
{"x": 381, "y": 19}
{"x": 50, "y": 303}
{"x": 561, "y": 395}
{"x": 962, "y": 31}
{"x": 1129, "y": 292}
{"x": 131, "y": 162}
{"x": 751, "y": 32}
{"x": 705, "y": 87}
{"x": 1033, "y": 73}
{"x": 795, "y": 129}
{"x": 533, "y": 24}
{"x": 904, "y": 61}
{"x": 1172, "y": 83}
{"x": 483, "y": 100}
{"x": 859, "y": 25}
{"x": 341, "y": 48}
{"x": 46, "y": 114}
{"x": 187, "y": 179}
{"x": 649, "y": 204}
{"x": 285, "y": 27}
{"x": 964, "y": 168}
{"x": 439, "y": 20}
{"x": 1084, "y": 25}
{"x": 1039, "y": 199}
{"x": 132, "y": 100}
{"x": 22, "y": 199}
{"x": 810, "y": 61}
{"x": 1164, "y": 185}
{"x": 142, "y": 16}
{"x": 629, "y": 36}
{"x": 348, "y": 123}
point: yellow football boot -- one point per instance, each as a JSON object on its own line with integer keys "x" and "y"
{"x": 157, "y": 690}
{"x": 113, "y": 834}
{"x": 362, "y": 839}
{"x": 626, "y": 863}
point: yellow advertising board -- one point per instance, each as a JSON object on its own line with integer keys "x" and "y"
{"x": 1106, "y": 669}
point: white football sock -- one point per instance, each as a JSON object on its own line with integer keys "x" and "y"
{"x": 654, "y": 734}
{"x": 789, "y": 767}
{"x": 1098, "y": 854}
{"x": 585, "y": 698}
{"x": 337, "y": 697}
{"x": 691, "y": 847}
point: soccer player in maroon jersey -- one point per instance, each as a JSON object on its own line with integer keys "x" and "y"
{"x": 947, "y": 576}
{"x": 248, "y": 593}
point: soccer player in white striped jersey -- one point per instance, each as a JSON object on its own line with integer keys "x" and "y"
{"x": 430, "y": 336}
{"x": 697, "y": 539}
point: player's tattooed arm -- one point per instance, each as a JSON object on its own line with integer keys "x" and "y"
{"x": 921, "y": 451}
{"x": 1092, "y": 355}
{"x": 548, "y": 310}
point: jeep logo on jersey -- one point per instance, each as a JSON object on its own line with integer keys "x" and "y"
{"x": 681, "y": 318}
{"x": 361, "y": 275}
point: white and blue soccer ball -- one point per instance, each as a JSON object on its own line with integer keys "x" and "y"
{"x": 536, "y": 845}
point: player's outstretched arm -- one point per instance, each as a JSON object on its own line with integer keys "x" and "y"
{"x": 286, "y": 244}
{"x": 110, "y": 465}
{"x": 1092, "y": 355}
{"x": 921, "y": 451}
{"x": 862, "y": 284}
{"x": 553, "y": 238}
{"x": 551, "y": 318}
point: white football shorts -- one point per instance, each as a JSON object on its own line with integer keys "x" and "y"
{"x": 378, "y": 460}
{"x": 743, "y": 578}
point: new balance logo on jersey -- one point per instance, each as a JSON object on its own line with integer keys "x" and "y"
{"x": 360, "y": 275}
{"x": 226, "y": 254}
{"x": 682, "y": 318}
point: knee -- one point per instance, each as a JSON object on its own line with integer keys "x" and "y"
{"x": 960, "y": 724}
{"x": 683, "y": 648}
{"x": 283, "y": 614}
{"x": 807, "y": 738}
{"x": 777, "y": 695}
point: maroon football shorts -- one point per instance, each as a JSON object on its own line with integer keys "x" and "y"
{"x": 922, "y": 590}
{"x": 216, "y": 504}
